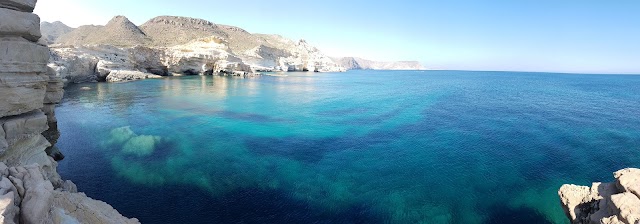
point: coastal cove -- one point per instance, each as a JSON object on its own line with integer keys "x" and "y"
{"x": 352, "y": 147}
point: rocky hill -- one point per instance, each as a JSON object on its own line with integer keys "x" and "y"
{"x": 118, "y": 32}
{"x": 52, "y": 31}
{"x": 167, "y": 31}
{"x": 353, "y": 63}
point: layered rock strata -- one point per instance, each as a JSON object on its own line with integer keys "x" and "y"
{"x": 617, "y": 202}
{"x": 114, "y": 64}
{"x": 31, "y": 191}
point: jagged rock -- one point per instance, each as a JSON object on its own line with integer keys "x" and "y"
{"x": 120, "y": 76}
{"x": 78, "y": 208}
{"x": 28, "y": 196}
{"x": 69, "y": 186}
{"x": 54, "y": 153}
{"x": 32, "y": 151}
{"x": 9, "y": 201}
{"x": 604, "y": 203}
{"x": 37, "y": 194}
{"x": 629, "y": 180}
{"x": 49, "y": 110}
{"x": 627, "y": 206}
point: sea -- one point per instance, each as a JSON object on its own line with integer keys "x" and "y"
{"x": 353, "y": 147}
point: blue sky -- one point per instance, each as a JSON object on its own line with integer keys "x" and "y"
{"x": 526, "y": 35}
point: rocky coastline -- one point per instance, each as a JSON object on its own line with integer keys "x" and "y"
{"x": 606, "y": 203}
{"x": 31, "y": 190}
{"x": 171, "y": 46}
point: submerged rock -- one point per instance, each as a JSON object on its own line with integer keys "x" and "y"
{"x": 143, "y": 145}
{"x": 617, "y": 202}
{"x": 131, "y": 143}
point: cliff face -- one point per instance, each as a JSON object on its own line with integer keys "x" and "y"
{"x": 108, "y": 63}
{"x": 31, "y": 191}
{"x": 182, "y": 46}
{"x": 352, "y": 63}
{"x": 617, "y": 202}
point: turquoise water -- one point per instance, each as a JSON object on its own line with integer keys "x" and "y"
{"x": 355, "y": 147}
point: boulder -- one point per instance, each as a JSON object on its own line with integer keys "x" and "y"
{"x": 37, "y": 194}
{"x": 23, "y": 24}
{"x": 629, "y": 180}
{"x": 19, "y": 5}
{"x": 9, "y": 201}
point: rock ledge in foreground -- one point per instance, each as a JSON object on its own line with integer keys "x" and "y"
{"x": 606, "y": 203}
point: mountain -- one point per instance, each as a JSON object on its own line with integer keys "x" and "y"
{"x": 119, "y": 31}
{"x": 353, "y": 63}
{"x": 51, "y": 31}
{"x": 172, "y": 30}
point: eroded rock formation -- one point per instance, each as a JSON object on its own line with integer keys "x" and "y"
{"x": 89, "y": 63}
{"x": 606, "y": 203}
{"x": 31, "y": 191}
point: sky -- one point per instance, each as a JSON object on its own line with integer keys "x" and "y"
{"x": 575, "y": 36}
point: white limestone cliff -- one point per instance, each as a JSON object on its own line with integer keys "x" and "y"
{"x": 606, "y": 203}
{"x": 31, "y": 190}
{"x": 114, "y": 64}
{"x": 169, "y": 45}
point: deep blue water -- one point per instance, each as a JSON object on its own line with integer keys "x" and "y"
{"x": 355, "y": 147}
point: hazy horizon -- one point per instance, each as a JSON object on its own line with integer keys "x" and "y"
{"x": 542, "y": 36}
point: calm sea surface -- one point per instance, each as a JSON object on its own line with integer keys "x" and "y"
{"x": 355, "y": 147}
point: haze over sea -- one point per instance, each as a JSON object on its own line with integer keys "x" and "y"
{"x": 355, "y": 147}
